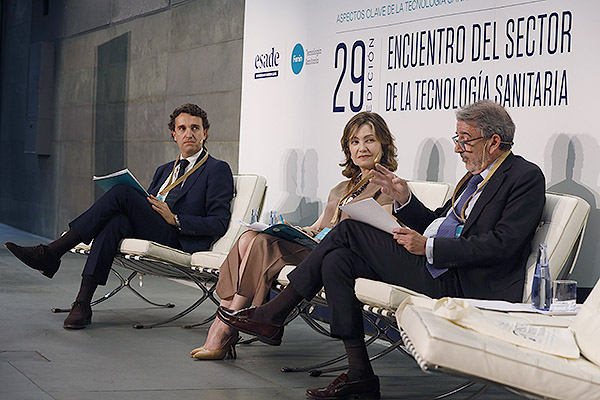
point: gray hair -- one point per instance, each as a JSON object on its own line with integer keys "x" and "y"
{"x": 490, "y": 118}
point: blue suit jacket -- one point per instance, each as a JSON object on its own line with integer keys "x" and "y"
{"x": 490, "y": 255}
{"x": 203, "y": 205}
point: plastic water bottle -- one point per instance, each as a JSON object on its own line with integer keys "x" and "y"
{"x": 273, "y": 218}
{"x": 541, "y": 291}
{"x": 254, "y": 217}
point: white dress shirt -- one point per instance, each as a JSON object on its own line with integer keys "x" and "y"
{"x": 431, "y": 231}
{"x": 173, "y": 176}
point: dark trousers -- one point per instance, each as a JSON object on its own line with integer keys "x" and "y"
{"x": 356, "y": 250}
{"x": 120, "y": 213}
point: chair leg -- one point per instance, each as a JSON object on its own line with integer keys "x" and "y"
{"x": 197, "y": 324}
{"x": 460, "y": 388}
{"x": 210, "y": 295}
{"x": 206, "y": 294}
{"x": 123, "y": 282}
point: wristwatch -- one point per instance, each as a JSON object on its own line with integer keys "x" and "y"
{"x": 177, "y": 223}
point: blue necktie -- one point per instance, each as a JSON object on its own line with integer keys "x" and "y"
{"x": 448, "y": 226}
{"x": 173, "y": 194}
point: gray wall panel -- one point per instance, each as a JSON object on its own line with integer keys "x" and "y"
{"x": 113, "y": 100}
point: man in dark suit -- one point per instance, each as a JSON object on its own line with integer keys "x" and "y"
{"x": 188, "y": 208}
{"x": 475, "y": 246}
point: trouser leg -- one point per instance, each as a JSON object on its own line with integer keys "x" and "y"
{"x": 122, "y": 199}
{"x": 105, "y": 247}
{"x": 122, "y": 212}
{"x": 356, "y": 250}
{"x": 338, "y": 272}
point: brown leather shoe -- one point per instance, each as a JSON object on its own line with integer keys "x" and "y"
{"x": 79, "y": 317}
{"x": 242, "y": 320}
{"x": 36, "y": 257}
{"x": 340, "y": 388}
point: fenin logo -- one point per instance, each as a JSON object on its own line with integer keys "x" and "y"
{"x": 297, "y": 58}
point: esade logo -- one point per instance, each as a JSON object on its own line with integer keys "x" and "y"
{"x": 297, "y": 58}
{"x": 267, "y": 64}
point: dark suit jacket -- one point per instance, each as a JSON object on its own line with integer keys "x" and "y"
{"x": 490, "y": 255}
{"x": 203, "y": 205}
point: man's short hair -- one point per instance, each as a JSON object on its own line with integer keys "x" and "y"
{"x": 191, "y": 109}
{"x": 490, "y": 118}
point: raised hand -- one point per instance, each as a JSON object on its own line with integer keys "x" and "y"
{"x": 393, "y": 186}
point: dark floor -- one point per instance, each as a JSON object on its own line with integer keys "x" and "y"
{"x": 111, "y": 360}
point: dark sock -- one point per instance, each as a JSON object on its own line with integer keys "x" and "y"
{"x": 277, "y": 310}
{"x": 87, "y": 289}
{"x": 359, "y": 366}
{"x": 64, "y": 243}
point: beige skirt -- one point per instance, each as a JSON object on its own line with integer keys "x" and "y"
{"x": 267, "y": 256}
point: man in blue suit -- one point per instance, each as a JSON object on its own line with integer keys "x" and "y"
{"x": 188, "y": 209}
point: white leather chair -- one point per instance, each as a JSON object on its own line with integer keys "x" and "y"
{"x": 439, "y": 345}
{"x": 146, "y": 257}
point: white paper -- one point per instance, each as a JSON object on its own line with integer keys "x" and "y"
{"x": 501, "y": 305}
{"x": 370, "y": 212}
{"x": 255, "y": 226}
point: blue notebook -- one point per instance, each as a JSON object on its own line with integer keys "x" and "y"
{"x": 118, "y": 178}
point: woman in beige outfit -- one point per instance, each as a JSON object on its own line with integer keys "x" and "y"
{"x": 255, "y": 260}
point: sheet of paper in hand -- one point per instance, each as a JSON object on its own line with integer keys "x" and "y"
{"x": 370, "y": 212}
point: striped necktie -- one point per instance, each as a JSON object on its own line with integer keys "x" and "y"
{"x": 449, "y": 225}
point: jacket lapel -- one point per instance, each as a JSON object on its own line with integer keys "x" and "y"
{"x": 191, "y": 180}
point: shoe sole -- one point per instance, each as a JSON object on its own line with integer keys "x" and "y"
{"x": 77, "y": 327}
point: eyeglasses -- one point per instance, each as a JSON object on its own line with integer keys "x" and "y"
{"x": 463, "y": 143}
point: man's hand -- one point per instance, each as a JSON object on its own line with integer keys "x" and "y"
{"x": 163, "y": 209}
{"x": 395, "y": 187}
{"x": 411, "y": 240}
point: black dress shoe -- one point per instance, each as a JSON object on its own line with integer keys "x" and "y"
{"x": 341, "y": 388}
{"x": 37, "y": 257}
{"x": 79, "y": 317}
{"x": 242, "y": 320}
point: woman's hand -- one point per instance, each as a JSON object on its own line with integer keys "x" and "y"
{"x": 310, "y": 231}
{"x": 395, "y": 187}
{"x": 163, "y": 209}
{"x": 411, "y": 240}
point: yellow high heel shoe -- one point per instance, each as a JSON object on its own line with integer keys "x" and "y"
{"x": 226, "y": 351}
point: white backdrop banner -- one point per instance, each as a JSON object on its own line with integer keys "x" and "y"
{"x": 310, "y": 65}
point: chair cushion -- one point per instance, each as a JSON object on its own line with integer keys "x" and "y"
{"x": 439, "y": 342}
{"x": 380, "y": 294}
{"x": 208, "y": 259}
{"x": 155, "y": 250}
{"x": 431, "y": 194}
{"x": 282, "y": 277}
{"x": 586, "y": 326}
{"x": 249, "y": 192}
